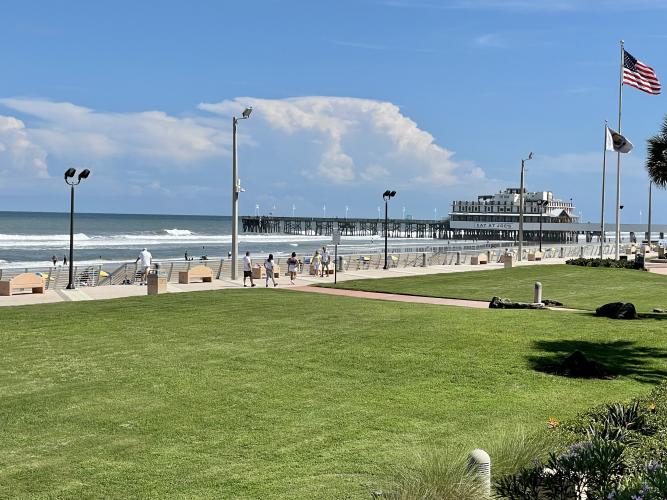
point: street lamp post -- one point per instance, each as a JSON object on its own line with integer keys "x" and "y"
{"x": 386, "y": 196}
{"x": 69, "y": 180}
{"x": 236, "y": 189}
{"x": 530, "y": 157}
{"x": 542, "y": 204}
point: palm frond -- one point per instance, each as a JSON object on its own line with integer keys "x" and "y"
{"x": 656, "y": 157}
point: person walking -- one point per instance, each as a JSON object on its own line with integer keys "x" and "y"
{"x": 325, "y": 262}
{"x": 292, "y": 266}
{"x": 54, "y": 259}
{"x": 317, "y": 263}
{"x": 268, "y": 265}
{"x": 247, "y": 269}
{"x": 64, "y": 260}
{"x": 145, "y": 257}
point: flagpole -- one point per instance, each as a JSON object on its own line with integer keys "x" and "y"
{"x": 604, "y": 176}
{"x": 650, "y": 186}
{"x": 618, "y": 158}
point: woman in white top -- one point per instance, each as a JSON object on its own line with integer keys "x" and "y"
{"x": 268, "y": 265}
{"x": 292, "y": 264}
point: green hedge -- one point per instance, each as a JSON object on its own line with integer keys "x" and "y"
{"x": 618, "y": 264}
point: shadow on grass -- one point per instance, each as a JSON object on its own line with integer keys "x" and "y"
{"x": 621, "y": 357}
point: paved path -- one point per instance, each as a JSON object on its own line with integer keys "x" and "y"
{"x": 416, "y": 299}
{"x": 119, "y": 291}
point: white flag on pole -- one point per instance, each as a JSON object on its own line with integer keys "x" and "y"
{"x": 616, "y": 142}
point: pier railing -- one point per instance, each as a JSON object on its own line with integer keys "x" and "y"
{"x": 127, "y": 273}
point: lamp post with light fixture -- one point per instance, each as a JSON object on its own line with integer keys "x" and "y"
{"x": 236, "y": 189}
{"x": 69, "y": 180}
{"x": 521, "y": 208}
{"x": 542, "y": 204}
{"x": 386, "y": 196}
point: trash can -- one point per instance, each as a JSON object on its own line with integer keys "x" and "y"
{"x": 639, "y": 261}
{"x": 507, "y": 261}
{"x": 156, "y": 283}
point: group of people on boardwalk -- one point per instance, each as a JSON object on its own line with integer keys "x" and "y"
{"x": 320, "y": 265}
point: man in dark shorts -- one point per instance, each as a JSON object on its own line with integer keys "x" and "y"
{"x": 247, "y": 269}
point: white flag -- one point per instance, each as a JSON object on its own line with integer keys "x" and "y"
{"x": 616, "y": 142}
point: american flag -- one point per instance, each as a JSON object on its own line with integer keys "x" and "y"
{"x": 638, "y": 75}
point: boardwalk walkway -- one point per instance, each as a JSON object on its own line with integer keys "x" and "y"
{"x": 303, "y": 283}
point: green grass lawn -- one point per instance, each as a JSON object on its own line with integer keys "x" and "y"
{"x": 577, "y": 287}
{"x": 273, "y": 393}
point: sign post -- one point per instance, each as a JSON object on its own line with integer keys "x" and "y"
{"x": 335, "y": 239}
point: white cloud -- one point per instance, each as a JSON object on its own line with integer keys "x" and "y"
{"x": 72, "y": 131}
{"x": 352, "y": 139}
{"x": 18, "y": 152}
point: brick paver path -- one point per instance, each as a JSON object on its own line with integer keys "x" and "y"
{"x": 417, "y": 299}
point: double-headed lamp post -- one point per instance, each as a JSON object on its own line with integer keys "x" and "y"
{"x": 386, "y": 196}
{"x": 69, "y": 179}
{"x": 236, "y": 189}
{"x": 530, "y": 157}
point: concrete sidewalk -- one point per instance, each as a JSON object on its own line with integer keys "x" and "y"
{"x": 120, "y": 291}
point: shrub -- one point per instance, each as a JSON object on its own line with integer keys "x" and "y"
{"x": 595, "y": 465}
{"x": 620, "y": 455}
{"x": 438, "y": 474}
{"x": 597, "y": 262}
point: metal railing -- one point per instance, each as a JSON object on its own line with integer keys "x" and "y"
{"x": 129, "y": 272}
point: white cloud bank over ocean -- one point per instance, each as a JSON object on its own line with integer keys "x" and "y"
{"x": 334, "y": 139}
{"x": 302, "y": 150}
{"x": 353, "y": 140}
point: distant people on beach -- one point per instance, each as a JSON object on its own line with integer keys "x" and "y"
{"x": 292, "y": 266}
{"x": 268, "y": 265}
{"x": 325, "y": 262}
{"x": 317, "y": 262}
{"x": 54, "y": 259}
{"x": 64, "y": 260}
{"x": 229, "y": 255}
{"x": 247, "y": 269}
{"x": 186, "y": 255}
{"x": 145, "y": 257}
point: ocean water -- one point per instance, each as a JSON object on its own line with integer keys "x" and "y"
{"x": 31, "y": 238}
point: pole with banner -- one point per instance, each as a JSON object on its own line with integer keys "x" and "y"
{"x": 335, "y": 240}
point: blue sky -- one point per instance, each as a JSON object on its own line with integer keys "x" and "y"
{"x": 438, "y": 100}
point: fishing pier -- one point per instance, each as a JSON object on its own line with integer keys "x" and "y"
{"x": 443, "y": 229}
{"x": 325, "y": 226}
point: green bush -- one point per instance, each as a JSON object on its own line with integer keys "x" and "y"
{"x": 616, "y": 264}
{"x": 619, "y": 454}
